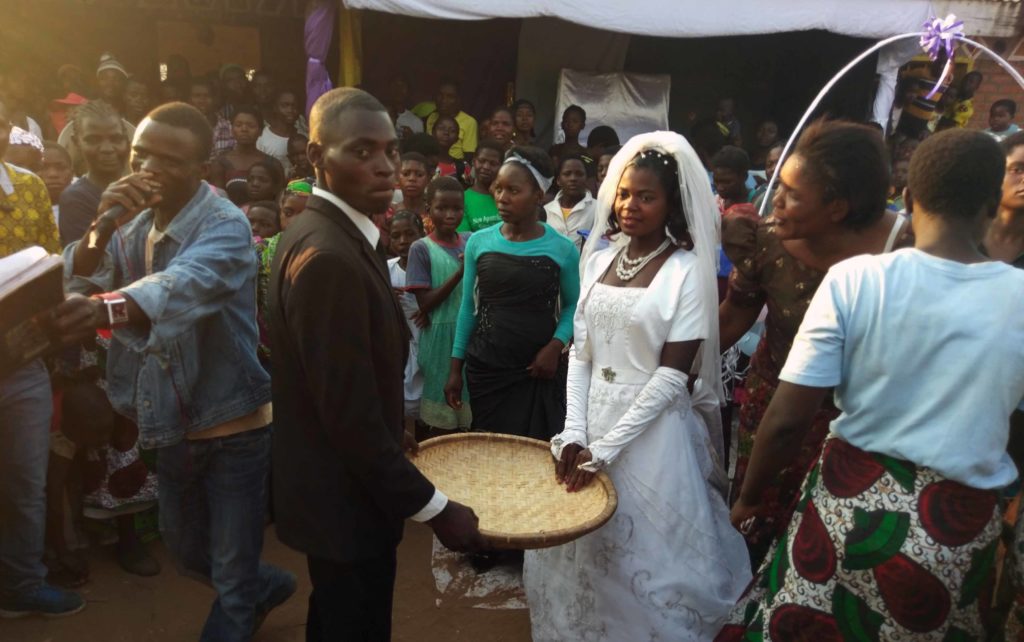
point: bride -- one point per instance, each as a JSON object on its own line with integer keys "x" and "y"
{"x": 668, "y": 565}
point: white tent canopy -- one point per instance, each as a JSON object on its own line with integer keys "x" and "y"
{"x": 685, "y": 18}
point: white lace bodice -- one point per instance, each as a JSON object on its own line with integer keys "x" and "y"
{"x": 609, "y": 313}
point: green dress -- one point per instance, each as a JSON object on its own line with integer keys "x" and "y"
{"x": 435, "y": 348}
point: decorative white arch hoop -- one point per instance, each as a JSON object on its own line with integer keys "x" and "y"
{"x": 842, "y": 72}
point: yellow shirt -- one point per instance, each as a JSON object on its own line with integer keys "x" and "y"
{"x": 467, "y": 134}
{"x": 26, "y": 218}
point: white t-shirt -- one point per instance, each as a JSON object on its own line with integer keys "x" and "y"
{"x": 926, "y": 356}
{"x": 276, "y": 146}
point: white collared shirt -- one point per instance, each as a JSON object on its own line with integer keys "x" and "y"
{"x": 372, "y": 234}
{"x": 361, "y": 221}
{"x": 581, "y": 217}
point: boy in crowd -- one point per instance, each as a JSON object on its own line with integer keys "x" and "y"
{"x": 480, "y": 210}
{"x": 448, "y": 104}
{"x": 56, "y": 173}
{"x": 1000, "y": 119}
{"x": 574, "y": 121}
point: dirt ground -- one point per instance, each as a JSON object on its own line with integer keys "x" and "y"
{"x": 125, "y": 608}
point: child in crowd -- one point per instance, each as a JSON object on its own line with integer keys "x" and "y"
{"x": 899, "y": 183}
{"x": 501, "y": 126}
{"x": 293, "y": 201}
{"x": 446, "y": 132}
{"x": 435, "y": 276}
{"x": 301, "y": 168}
{"x": 280, "y": 127}
{"x": 1000, "y": 119}
{"x": 56, "y": 172}
{"x": 728, "y": 124}
{"x": 574, "y": 120}
{"x": 481, "y": 211}
{"x": 425, "y": 144}
{"x": 265, "y": 219}
{"x": 246, "y": 125}
{"x": 24, "y": 150}
{"x": 100, "y": 446}
{"x": 603, "y": 161}
{"x": 601, "y": 138}
{"x": 574, "y": 207}
{"x": 525, "y": 119}
{"x": 729, "y": 169}
{"x": 412, "y": 182}
{"x": 265, "y": 180}
{"x": 405, "y": 228}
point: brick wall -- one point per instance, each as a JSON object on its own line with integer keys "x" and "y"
{"x": 997, "y": 84}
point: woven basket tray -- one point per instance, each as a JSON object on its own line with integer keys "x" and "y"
{"x": 510, "y": 483}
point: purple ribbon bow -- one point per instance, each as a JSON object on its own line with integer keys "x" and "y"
{"x": 939, "y": 34}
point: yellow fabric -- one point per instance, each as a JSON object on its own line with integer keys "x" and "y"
{"x": 262, "y": 416}
{"x": 566, "y": 211}
{"x": 963, "y": 111}
{"x": 350, "y": 39}
{"x": 31, "y": 221}
{"x": 467, "y": 134}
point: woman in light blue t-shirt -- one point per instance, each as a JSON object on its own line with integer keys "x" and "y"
{"x": 896, "y": 528}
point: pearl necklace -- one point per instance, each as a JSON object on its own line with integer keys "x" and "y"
{"x": 626, "y": 268}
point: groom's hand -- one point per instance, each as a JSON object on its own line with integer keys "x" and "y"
{"x": 457, "y": 527}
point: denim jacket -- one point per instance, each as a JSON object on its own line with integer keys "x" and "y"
{"x": 196, "y": 366}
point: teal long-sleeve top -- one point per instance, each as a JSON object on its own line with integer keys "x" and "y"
{"x": 552, "y": 244}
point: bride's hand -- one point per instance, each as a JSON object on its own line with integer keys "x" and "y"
{"x": 564, "y": 465}
{"x": 576, "y": 478}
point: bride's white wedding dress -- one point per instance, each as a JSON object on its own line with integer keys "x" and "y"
{"x": 669, "y": 565}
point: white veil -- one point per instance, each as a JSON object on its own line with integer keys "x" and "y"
{"x": 703, "y": 221}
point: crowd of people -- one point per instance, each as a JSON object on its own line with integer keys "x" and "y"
{"x": 266, "y": 313}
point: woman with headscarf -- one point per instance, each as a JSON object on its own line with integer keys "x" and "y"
{"x": 667, "y": 565}
{"x": 519, "y": 288}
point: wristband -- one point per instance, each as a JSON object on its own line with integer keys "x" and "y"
{"x": 117, "y": 308}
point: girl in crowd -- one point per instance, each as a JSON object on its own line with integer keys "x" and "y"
{"x": 446, "y": 132}
{"x": 405, "y": 229}
{"x": 293, "y": 200}
{"x": 435, "y": 277}
{"x": 246, "y": 124}
{"x": 56, "y": 173}
{"x": 518, "y": 299}
{"x": 829, "y": 205}
{"x": 574, "y": 208}
{"x": 502, "y": 126}
{"x": 668, "y": 565}
{"x": 265, "y": 180}
{"x": 279, "y": 128}
{"x": 412, "y": 182}
{"x": 897, "y": 526}
{"x": 525, "y": 119}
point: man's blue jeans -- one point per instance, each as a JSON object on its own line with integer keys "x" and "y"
{"x": 26, "y": 407}
{"x": 213, "y": 503}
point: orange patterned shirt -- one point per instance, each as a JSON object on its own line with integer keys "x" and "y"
{"x": 26, "y": 218}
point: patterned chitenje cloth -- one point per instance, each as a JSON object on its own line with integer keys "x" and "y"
{"x": 878, "y": 549}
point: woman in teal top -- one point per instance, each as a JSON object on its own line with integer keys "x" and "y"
{"x": 520, "y": 285}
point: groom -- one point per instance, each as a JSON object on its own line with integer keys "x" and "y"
{"x": 342, "y": 485}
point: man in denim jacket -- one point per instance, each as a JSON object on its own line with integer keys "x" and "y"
{"x": 171, "y": 271}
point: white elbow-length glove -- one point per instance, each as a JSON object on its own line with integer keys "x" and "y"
{"x": 577, "y": 394}
{"x": 664, "y": 388}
